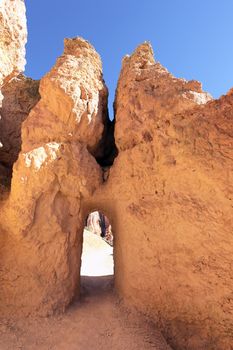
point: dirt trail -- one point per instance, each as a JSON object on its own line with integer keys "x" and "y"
{"x": 97, "y": 321}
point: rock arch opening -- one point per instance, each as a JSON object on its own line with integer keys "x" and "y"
{"x": 97, "y": 258}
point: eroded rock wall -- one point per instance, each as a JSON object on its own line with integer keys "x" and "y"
{"x": 13, "y": 37}
{"x": 73, "y": 105}
{"x": 147, "y": 94}
{"x": 16, "y": 97}
{"x": 171, "y": 186}
{"x": 20, "y": 96}
{"x": 40, "y": 270}
{"x": 53, "y": 174}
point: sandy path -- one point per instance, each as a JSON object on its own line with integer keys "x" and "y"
{"x": 97, "y": 321}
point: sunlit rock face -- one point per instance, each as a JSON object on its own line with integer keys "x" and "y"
{"x": 148, "y": 95}
{"x": 44, "y": 223}
{"x": 43, "y": 214}
{"x": 73, "y": 104}
{"x": 13, "y": 37}
{"x": 170, "y": 190}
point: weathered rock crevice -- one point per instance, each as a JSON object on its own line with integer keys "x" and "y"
{"x": 107, "y": 147}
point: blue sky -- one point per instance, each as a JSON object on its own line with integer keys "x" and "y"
{"x": 192, "y": 38}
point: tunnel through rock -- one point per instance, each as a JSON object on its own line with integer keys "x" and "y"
{"x": 97, "y": 252}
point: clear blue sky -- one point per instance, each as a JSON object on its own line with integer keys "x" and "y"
{"x": 192, "y": 38}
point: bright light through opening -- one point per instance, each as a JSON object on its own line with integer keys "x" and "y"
{"x": 97, "y": 255}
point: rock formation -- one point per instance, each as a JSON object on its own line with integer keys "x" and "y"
{"x": 171, "y": 186}
{"x": 147, "y": 93}
{"x": 168, "y": 194}
{"x": 44, "y": 224}
{"x": 73, "y": 100}
{"x": 20, "y": 94}
{"x": 13, "y": 34}
{"x": 99, "y": 224}
{"x": 51, "y": 177}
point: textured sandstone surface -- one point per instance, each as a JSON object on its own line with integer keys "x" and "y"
{"x": 42, "y": 215}
{"x": 20, "y": 95}
{"x": 171, "y": 186}
{"x": 44, "y": 225}
{"x": 13, "y": 37}
{"x": 168, "y": 194}
{"x": 73, "y": 105}
{"x": 148, "y": 93}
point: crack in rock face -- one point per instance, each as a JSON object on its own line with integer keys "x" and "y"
{"x": 161, "y": 172}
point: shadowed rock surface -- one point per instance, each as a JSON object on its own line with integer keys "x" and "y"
{"x": 20, "y": 95}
